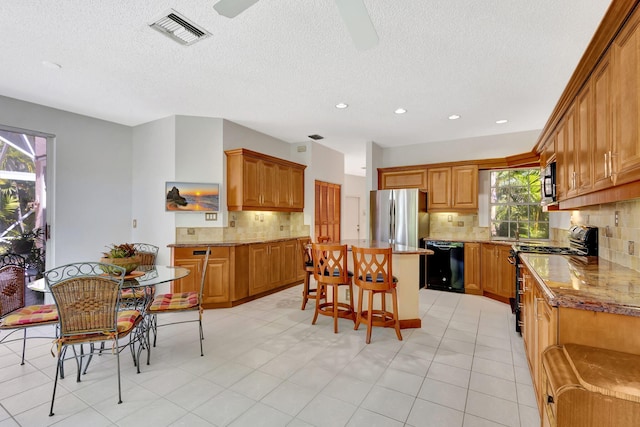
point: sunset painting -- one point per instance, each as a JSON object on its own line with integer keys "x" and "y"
{"x": 191, "y": 196}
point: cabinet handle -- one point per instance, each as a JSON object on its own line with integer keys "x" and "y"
{"x": 200, "y": 252}
{"x": 606, "y": 165}
{"x": 549, "y": 399}
{"x": 610, "y": 166}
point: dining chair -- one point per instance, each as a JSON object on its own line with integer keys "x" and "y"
{"x": 178, "y": 302}
{"x": 14, "y": 314}
{"x": 148, "y": 254}
{"x": 307, "y": 265}
{"x": 87, "y": 298}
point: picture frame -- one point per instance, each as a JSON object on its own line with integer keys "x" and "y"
{"x": 191, "y": 197}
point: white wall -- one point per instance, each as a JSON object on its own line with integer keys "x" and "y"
{"x": 92, "y": 169}
{"x": 482, "y": 147}
{"x": 154, "y": 150}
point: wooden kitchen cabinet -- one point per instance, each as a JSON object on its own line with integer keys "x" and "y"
{"x": 498, "y": 276}
{"x": 257, "y": 181}
{"x": 602, "y": 124}
{"x": 217, "y": 284}
{"x": 272, "y": 265}
{"x": 452, "y": 188}
{"x": 402, "y": 178}
{"x": 472, "y": 283}
{"x": 626, "y": 62}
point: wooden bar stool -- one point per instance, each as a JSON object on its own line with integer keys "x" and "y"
{"x": 307, "y": 265}
{"x": 330, "y": 271}
{"x": 373, "y": 273}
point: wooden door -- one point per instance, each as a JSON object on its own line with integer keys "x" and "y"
{"x": 274, "y": 270}
{"x": 464, "y": 187}
{"x": 327, "y": 210}
{"x": 547, "y": 336}
{"x": 569, "y": 154}
{"x": 562, "y": 185}
{"x": 626, "y": 150}
{"x": 439, "y": 188}
{"x": 289, "y": 262}
{"x": 191, "y": 283}
{"x": 472, "y": 283}
{"x": 602, "y": 137}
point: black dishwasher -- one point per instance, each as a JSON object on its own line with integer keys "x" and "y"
{"x": 445, "y": 268}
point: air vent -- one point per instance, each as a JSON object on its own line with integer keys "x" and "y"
{"x": 316, "y": 137}
{"x": 179, "y": 28}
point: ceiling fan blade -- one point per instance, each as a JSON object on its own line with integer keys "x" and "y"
{"x": 233, "y": 8}
{"x": 356, "y": 18}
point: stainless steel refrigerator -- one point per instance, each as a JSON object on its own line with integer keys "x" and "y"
{"x": 400, "y": 217}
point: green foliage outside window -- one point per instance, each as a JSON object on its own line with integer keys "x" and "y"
{"x": 515, "y": 205}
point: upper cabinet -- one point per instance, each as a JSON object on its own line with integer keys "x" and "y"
{"x": 452, "y": 188}
{"x": 402, "y": 178}
{"x": 259, "y": 182}
{"x": 625, "y": 158}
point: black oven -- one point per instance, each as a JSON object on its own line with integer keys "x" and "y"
{"x": 548, "y": 179}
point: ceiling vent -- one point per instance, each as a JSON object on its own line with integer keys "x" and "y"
{"x": 179, "y": 28}
{"x": 316, "y": 137}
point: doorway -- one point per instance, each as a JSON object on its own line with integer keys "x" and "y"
{"x": 351, "y": 226}
{"x": 23, "y": 226}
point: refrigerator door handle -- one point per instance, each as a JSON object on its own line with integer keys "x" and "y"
{"x": 393, "y": 223}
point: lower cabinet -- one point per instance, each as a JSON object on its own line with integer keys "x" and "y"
{"x": 216, "y": 286}
{"x": 498, "y": 276}
{"x": 238, "y": 273}
{"x": 472, "y": 283}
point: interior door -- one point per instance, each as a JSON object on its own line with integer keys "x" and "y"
{"x": 351, "y": 225}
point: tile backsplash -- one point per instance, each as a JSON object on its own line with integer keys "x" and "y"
{"x": 613, "y": 240}
{"x": 452, "y": 226}
{"x": 249, "y": 225}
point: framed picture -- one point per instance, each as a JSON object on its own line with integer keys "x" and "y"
{"x": 191, "y": 197}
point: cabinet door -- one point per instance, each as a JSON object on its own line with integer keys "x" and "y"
{"x": 190, "y": 283}
{"x": 488, "y": 268}
{"x": 569, "y": 153}
{"x": 439, "y": 188}
{"x": 251, "y": 182}
{"x": 259, "y": 277}
{"x": 527, "y": 315}
{"x": 602, "y": 137}
{"x": 283, "y": 186}
{"x": 546, "y": 330}
{"x": 403, "y": 179}
{"x": 297, "y": 189}
{"x": 289, "y": 261}
{"x": 562, "y": 185}
{"x": 464, "y": 187}
{"x": 216, "y": 285}
{"x": 472, "y": 284}
{"x": 583, "y": 141}
{"x": 269, "y": 175}
{"x": 506, "y": 272}
{"x": 626, "y": 155}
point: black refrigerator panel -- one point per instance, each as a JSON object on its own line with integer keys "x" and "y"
{"x": 445, "y": 268}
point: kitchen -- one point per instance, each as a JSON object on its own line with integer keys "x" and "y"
{"x": 175, "y": 144}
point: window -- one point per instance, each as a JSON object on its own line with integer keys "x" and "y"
{"x": 515, "y": 205}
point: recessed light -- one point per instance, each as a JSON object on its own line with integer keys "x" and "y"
{"x": 501, "y": 121}
{"x": 342, "y": 105}
{"x": 400, "y": 111}
{"x": 454, "y": 117}
{"x": 52, "y": 65}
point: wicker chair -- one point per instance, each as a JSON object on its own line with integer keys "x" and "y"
{"x": 148, "y": 254}
{"x": 177, "y": 302}
{"x": 87, "y": 299}
{"x": 14, "y": 315}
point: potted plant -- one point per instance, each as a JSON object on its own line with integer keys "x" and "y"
{"x": 123, "y": 255}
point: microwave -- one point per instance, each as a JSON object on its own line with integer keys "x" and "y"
{"x": 548, "y": 179}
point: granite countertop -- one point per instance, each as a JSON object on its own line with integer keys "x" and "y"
{"x": 238, "y": 242}
{"x": 587, "y": 283}
{"x": 397, "y": 249}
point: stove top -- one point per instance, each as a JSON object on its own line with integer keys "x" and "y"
{"x": 556, "y": 250}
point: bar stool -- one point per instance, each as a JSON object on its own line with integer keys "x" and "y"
{"x": 330, "y": 271}
{"x": 373, "y": 273}
{"x": 307, "y": 266}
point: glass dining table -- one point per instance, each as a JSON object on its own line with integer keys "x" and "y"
{"x": 143, "y": 281}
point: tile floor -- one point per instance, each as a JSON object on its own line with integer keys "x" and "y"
{"x": 266, "y": 365}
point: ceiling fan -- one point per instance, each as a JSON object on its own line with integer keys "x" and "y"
{"x": 354, "y": 14}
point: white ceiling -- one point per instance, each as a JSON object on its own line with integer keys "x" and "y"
{"x": 282, "y": 65}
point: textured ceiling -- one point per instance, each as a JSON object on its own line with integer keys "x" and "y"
{"x": 282, "y": 65}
